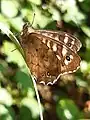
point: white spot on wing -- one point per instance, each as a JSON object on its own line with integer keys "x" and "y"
{"x": 72, "y": 42}
{"x": 45, "y": 34}
{"x": 42, "y": 82}
{"x": 64, "y": 51}
{"x": 51, "y": 35}
{"x": 56, "y": 37}
{"x": 65, "y": 39}
{"x": 48, "y": 43}
{"x": 71, "y": 56}
{"x": 44, "y": 40}
{"x": 66, "y": 62}
{"x": 58, "y": 57}
{"x": 54, "y": 47}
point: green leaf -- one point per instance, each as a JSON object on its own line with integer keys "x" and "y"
{"x": 29, "y": 109}
{"x": 86, "y": 30}
{"x": 67, "y": 110}
{"x": 5, "y": 97}
{"x": 16, "y": 23}
{"x": 12, "y": 37}
{"x": 9, "y": 8}
{"x": 37, "y": 2}
{"x": 14, "y": 56}
{"x": 6, "y": 113}
{"x": 40, "y": 19}
{"x": 23, "y": 79}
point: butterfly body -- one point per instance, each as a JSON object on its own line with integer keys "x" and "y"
{"x": 50, "y": 54}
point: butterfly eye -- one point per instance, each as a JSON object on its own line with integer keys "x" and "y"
{"x": 67, "y": 58}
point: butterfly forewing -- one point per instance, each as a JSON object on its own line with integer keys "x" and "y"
{"x": 49, "y": 55}
{"x": 64, "y": 38}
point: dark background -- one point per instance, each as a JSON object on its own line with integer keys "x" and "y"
{"x": 69, "y": 98}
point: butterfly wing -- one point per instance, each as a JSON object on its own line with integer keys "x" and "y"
{"x": 64, "y": 38}
{"x": 48, "y": 58}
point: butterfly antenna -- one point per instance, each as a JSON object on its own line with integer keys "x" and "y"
{"x": 33, "y": 19}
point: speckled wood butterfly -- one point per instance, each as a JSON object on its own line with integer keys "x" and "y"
{"x": 50, "y": 54}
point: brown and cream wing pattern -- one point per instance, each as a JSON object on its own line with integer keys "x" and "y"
{"x": 50, "y": 54}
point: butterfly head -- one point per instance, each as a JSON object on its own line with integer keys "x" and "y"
{"x": 27, "y": 30}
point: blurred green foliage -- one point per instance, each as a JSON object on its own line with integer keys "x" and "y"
{"x": 69, "y": 98}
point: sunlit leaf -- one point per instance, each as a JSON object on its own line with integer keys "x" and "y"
{"x": 6, "y": 113}
{"x": 9, "y": 8}
{"x": 86, "y": 30}
{"x": 5, "y": 97}
{"x": 67, "y": 110}
{"x": 29, "y": 108}
{"x": 37, "y": 2}
{"x": 8, "y": 50}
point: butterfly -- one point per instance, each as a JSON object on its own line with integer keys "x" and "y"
{"x": 50, "y": 54}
